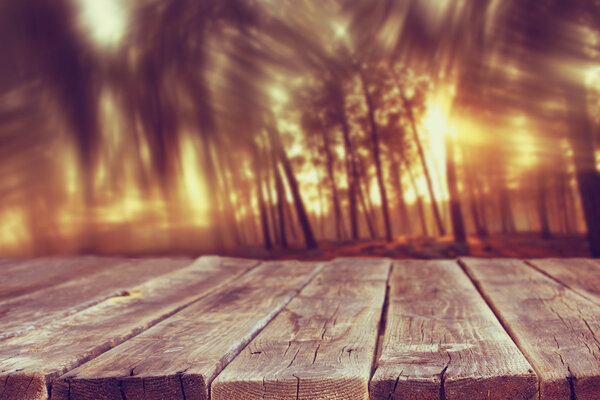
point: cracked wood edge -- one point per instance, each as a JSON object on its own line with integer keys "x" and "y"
{"x": 578, "y": 274}
{"x": 321, "y": 346}
{"x": 441, "y": 341}
{"x": 24, "y": 314}
{"x": 179, "y": 357}
{"x": 62, "y": 345}
{"x": 555, "y": 328}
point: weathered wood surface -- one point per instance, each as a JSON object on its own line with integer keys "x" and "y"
{"x": 321, "y": 346}
{"x": 26, "y": 276}
{"x": 58, "y": 347}
{"x": 169, "y": 329}
{"x": 22, "y": 314}
{"x": 441, "y": 341}
{"x": 556, "y": 329}
{"x": 578, "y": 274}
{"x": 179, "y": 357}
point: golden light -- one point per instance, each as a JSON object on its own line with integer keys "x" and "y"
{"x": 279, "y": 97}
{"x": 104, "y": 20}
{"x": 340, "y": 30}
{"x": 527, "y": 151}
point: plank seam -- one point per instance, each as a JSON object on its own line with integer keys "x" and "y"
{"x": 475, "y": 282}
{"x": 532, "y": 265}
{"x": 151, "y": 324}
{"x": 81, "y": 307}
{"x": 382, "y": 326}
{"x": 227, "y": 359}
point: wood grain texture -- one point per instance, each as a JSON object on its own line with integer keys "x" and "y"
{"x": 556, "y": 329}
{"x": 60, "y": 346}
{"x": 441, "y": 341}
{"x": 26, "y": 276}
{"x": 22, "y": 314}
{"x": 578, "y": 274}
{"x": 179, "y": 357}
{"x": 321, "y": 346}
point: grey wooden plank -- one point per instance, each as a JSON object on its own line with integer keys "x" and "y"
{"x": 441, "y": 341}
{"x": 578, "y": 274}
{"x": 555, "y": 328}
{"x": 179, "y": 357}
{"x": 62, "y": 345}
{"x": 24, "y": 313}
{"x": 29, "y": 275}
{"x": 321, "y": 346}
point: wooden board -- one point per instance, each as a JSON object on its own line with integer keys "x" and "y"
{"x": 321, "y": 346}
{"x": 578, "y": 274}
{"x": 179, "y": 357}
{"x": 441, "y": 341}
{"x": 22, "y": 314}
{"x": 556, "y": 329}
{"x": 58, "y": 347}
{"x": 26, "y": 276}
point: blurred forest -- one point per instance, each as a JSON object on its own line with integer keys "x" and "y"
{"x": 210, "y": 125}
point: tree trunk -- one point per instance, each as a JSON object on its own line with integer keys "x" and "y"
{"x": 402, "y": 210}
{"x": 458, "y": 225}
{"x": 212, "y": 183}
{"x": 506, "y": 215}
{"x": 264, "y": 220}
{"x": 377, "y": 158}
{"x": 230, "y": 215}
{"x": 337, "y": 209}
{"x": 413, "y": 124}
{"x": 420, "y": 206}
{"x": 351, "y": 172}
{"x": 280, "y": 202}
{"x": 309, "y": 238}
{"x": 588, "y": 178}
{"x": 272, "y": 213}
{"x": 366, "y": 212}
{"x": 542, "y": 204}
{"x": 476, "y": 214}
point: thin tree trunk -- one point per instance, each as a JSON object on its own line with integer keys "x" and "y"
{"x": 506, "y": 215}
{"x": 280, "y": 202}
{"x": 588, "y": 178}
{"x": 264, "y": 220}
{"x": 476, "y": 215}
{"x": 351, "y": 171}
{"x": 413, "y": 124}
{"x": 402, "y": 210}
{"x": 230, "y": 215}
{"x": 542, "y": 204}
{"x": 563, "y": 202}
{"x": 339, "y": 222}
{"x": 366, "y": 212}
{"x": 309, "y": 238}
{"x": 377, "y": 158}
{"x": 271, "y": 203}
{"x": 458, "y": 225}
{"x": 213, "y": 189}
{"x": 420, "y": 206}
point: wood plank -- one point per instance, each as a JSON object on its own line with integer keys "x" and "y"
{"x": 45, "y": 353}
{"x": 578, "y": 274}
{"x": 22, "y": 314}
{"x": 26, "y": 276}
{"x": 441, "y": 341}
{"x": 179, "y": 357}
{"x": 321, "y": 346}
{"x": 556, "y": 329}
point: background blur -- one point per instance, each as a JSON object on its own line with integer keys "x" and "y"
{"x": 390, "y": 127}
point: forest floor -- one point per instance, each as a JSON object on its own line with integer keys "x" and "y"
{"x": 520, "y": 245}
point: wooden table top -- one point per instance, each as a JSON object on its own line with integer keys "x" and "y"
{"x": 221, "y": 328}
